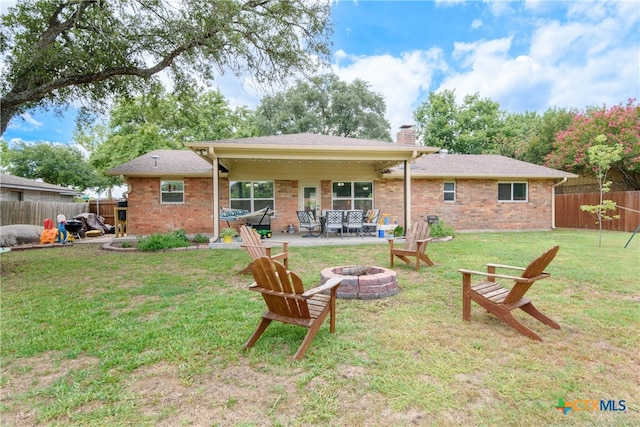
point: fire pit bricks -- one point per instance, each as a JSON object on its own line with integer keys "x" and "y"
{"x": 377, "y": 283}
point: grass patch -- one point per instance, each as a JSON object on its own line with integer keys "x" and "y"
{"x": 108, "y": 338}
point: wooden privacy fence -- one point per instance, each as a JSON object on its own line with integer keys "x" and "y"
{"x": 29, "y": 212}
{"x": 105, "y": 209}
{"x": 569, "y": 215}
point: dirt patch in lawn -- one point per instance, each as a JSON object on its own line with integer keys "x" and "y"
{"x": 26, "y": 376}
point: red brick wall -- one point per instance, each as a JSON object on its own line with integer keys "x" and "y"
{"x": 146, "y": 215}
{"x": 476, "y": 206}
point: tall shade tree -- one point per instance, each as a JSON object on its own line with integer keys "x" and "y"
{"x": 57, "y": 52}
{"x": 56, "y": 164}
{"x": 619, "y": 125}
{"x": 436, "y": 119}
{"x": 470, "y": 128}
{"x": 325, "y": 105}
{"x": 518, "y": 133}
{"x": 479, "y": 123}
{"x": 540, "y": 140}
{"x": 162, "y": 121}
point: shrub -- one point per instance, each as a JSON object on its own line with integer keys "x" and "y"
{"x": 158, "y": 242}
{"x": 199, "y": 238}
{"x": 440, "y": 229}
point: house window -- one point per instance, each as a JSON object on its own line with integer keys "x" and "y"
{"x": 172, "y": 191}
{"x": 449, "y": 191}
{"x": 512, "y": 191}
{"x": 352, "y": 195}
{"x": 251, "y": 195}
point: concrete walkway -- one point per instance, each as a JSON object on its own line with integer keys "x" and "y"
{"x": 294, "y": 239}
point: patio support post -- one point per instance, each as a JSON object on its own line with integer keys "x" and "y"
{"x": 407, "y": 194}
{"x": 216, "y": 199}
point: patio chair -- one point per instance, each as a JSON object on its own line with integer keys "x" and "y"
{"x": 415, "y": 245}
{"x": 253, "y": 243}
{"x": 287, "y": 301}
{"x": 501, "y": 301}
{"x": 333, "y": 223}
{"x": 353, "y": 221}
{"x": 307, "y": 220}
{"x": 371, "y": 222}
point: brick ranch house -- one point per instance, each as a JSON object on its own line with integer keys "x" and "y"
{"x": 172, "y": 189}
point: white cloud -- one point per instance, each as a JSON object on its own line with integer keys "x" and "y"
{"x": 477, "y": 23}
{"x": 402, "y": 81}
{"x": 592, "y": 59}
{"x": 30, "y": 120}
{"x": 499, "y": 7}
{"x": 25, "y": 122}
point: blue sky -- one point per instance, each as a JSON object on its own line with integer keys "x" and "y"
{"x": 526, "y": 55}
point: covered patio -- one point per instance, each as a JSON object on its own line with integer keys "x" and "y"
{"x": 303, "y": 167}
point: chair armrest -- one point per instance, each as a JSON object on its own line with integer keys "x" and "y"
{"x": 518, "y": 279}
{"x": 267, "y": 247}
{"x": 330, "y": 284}
{"x": 428, "y": 239}
{"x": 506, "y": 266}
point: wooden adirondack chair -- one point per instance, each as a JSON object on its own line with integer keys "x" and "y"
{"x": 252, "y": 242}
{"x": 415, "y": 245}
{"x": 287, "y": 301}
{"x": 500, "y": 301}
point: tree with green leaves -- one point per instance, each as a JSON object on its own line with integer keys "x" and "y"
{"x": 470, "y": 128}
{"x": 56, "y": 164}
{"x": 325, "y": 105}
{"x": 517, "y": 133}
{"x": 162, "y": 121}
{"x": 436, "y": 120}
{"x": 620, "y": 125}
{"x": 542, "y": 137}
{"x": 59, "y": 52}
{"x": 600, "y": 157}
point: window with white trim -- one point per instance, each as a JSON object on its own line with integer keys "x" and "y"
{"x": 449, "y": 191}
{"x": 512, "y": 191}
{"x": 251, "y": 195}
{"x": 171, "y": 191}
{"x": 352, "y": 195}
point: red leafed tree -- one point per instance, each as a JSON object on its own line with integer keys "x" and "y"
{"x": 620, "y": 125}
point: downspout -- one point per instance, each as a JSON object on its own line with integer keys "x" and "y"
{"x": 553, "y": 202}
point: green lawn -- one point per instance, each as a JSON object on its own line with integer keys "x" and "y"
{"x": 94, "y": 337}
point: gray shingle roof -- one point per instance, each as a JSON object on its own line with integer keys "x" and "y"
{"x": 169, "y": 162}
{"x": 10, "y": 181}
{"x": 306, "y": 139}
{"x": 479, "y": 166}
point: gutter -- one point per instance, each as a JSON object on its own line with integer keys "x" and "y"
{"x": 553, "y": 202}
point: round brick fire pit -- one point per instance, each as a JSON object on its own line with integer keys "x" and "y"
{"x": 376, "y": 283}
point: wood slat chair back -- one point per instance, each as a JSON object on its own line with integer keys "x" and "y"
{"x": 418, "y": 232}
{"x": 501, "y": 301}
{"x": 535, "y": 270}
{"x": 287, "y": 301}
{"x": 253, "y": 243}
{"x": 286, "y": 287}
{"x": 415, "y": 245}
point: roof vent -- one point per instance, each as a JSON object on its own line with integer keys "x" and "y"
{"x": 443, "y": 153}
{"x": 155, "y": 158}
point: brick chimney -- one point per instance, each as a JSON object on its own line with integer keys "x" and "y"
{"x": 406, "y": 135}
